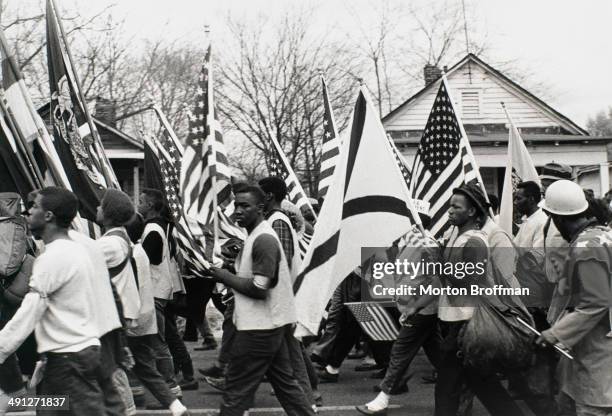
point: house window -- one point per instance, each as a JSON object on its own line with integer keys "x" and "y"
{"x": 470, "y": 103}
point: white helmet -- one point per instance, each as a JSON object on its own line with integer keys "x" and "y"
{"x": 564, "y": 197}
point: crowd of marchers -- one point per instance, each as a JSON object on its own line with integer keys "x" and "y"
{"x": 97, "y": 320}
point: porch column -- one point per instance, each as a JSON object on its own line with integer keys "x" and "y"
{"x": 604, "y": 175}
{"x": 136, "y": 178}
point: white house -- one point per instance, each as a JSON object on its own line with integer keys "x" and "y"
{"x": 478, "y": 90}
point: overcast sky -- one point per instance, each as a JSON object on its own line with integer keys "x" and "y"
{"x": 562, "y": 43}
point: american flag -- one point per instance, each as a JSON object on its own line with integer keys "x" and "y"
{"x": 330, "y": 147}
{"x": 295, "y": 193}
{"x": 375, "y": 320}
{"x": 205, "y": 165}
{"x": 442, "y": 162}
{"x": 189, "y": 233}
{"x": 280, "y": 167}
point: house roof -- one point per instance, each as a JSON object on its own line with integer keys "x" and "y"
{"x": 502, "y": 78}
{"x": 131, "y": 141}
{"x": 527, "y": 138}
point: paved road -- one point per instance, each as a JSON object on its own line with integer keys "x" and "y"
{"x": 340, "y": 398}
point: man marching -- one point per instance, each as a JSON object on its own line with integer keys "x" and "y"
{"x": 264, "y": 314}
{"x": 581, "y": 307}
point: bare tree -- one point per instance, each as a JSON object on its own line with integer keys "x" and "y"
{"x": 271, "y": 88}
{"x": 601, "y": 123}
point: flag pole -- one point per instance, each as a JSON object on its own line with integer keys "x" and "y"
{"x": 18, "y": 153}
{"x": 467, "y": 142}
{"x": 212, "y": 155}
{"x": 110, "y": 177}
{"x": 409, "y": 201}
{"x": 26, "y": 155}
{"x": 164, "y": 121}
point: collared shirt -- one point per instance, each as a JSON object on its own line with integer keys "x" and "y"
{"x": 469, "y": 247}
{"x": 531, "y": 231}
{"x": 530, "y": 266}
{"x": 60, "y": 304}
{"x": 283, "y": 232}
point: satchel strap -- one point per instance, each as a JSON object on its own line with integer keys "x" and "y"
{"x": 115, "y": 270}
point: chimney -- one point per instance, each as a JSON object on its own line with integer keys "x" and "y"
{"x": 431, "y": 73}
{"x": 106, "y": 111}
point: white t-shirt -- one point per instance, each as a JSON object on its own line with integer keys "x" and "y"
{"x": 62, "y": 275}
{"x": 115, "y": 250}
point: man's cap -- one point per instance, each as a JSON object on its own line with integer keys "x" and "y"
{"x": 556, "y": 171}
{"x": 474, "y": 192}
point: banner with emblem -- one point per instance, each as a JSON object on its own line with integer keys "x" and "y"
{"x": 85, "y": 165}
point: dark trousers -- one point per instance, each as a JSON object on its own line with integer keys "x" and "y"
{"x": 452, "y": 375}
{"x": 342, "y": 331}
{"x": 422, "y": 332}
{"x": 229, "y": 333}
{"x": 313, "y": 377}
{"x": 199, "y": 292}
{"x": 253, "y": 355}
{"x": 10, "y": 375}
{"x": 336, "y": 329}
{"x": 180, "y": 356}
{"x": 110, "y": 343}
{"x": 74, "y": 375}
{"x": 146, "y": 370}
{"x": 300, "y": 371}
{"x": 537, "y": 384}
{"x": 162, "y": 352}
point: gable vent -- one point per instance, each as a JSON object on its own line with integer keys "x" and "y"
{"x": 470, "y": 103}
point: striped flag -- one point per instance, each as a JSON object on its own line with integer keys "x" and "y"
{"x": 161, "y": 173}
{"x": 375, "y": 320}
{"x": 205, "y": 172}
{"x": 519, "y": 168}
{"x": 400, "y": 161}
{"x": 280, "y": 167}
{"x": 361, "y": 209}
{"x": 330, "y": 147}
{"x": 304, "y": 242}
{"x": 443, "y": 161}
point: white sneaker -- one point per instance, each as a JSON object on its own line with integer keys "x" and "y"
{"x": 177, "y": 392}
